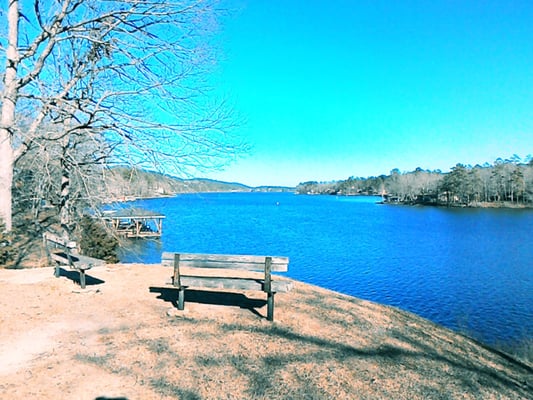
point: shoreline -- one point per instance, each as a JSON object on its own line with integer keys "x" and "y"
{"x": 473, "y": 205}
{"x": 483, "y": 205}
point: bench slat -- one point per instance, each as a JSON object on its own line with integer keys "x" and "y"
{"x": 58, "y": 240}
{"x": 233, "y": 283}
{"x": 241, "y": 262}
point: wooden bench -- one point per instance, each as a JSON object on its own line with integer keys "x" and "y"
{"x": 217, "y": 271}
{"x": 64, "y": 252}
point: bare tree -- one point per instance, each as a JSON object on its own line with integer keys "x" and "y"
{"x": 128, "y": 76}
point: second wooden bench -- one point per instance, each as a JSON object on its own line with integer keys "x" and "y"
{"x": 220, "y": 271}
{"x": 64, "y": 252}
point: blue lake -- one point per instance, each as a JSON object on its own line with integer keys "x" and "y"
{"x": 467, "y": 269}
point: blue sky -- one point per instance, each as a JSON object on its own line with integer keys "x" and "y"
{"x": 332, "y": 89}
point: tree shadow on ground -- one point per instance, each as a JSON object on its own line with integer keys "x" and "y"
{"x": 211, "y": 297}
{"x": 462, "y": 368}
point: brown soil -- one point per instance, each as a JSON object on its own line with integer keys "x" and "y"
{"x": 123, "y": 338}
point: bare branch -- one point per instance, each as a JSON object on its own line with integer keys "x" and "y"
{"x": 117, "y": 82}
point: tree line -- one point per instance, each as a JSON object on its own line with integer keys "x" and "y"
{"x": 506, "y": 182}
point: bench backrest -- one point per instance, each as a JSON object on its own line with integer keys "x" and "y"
{"x": 56, "y": 240}
{"x": 240, "y": 262}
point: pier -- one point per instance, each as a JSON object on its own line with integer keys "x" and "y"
{"x": 135, "y": 223}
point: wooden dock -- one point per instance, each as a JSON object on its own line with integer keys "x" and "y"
{"x": 135, "y": 222}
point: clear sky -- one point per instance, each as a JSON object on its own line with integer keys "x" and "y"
{"x": 337, "y": 88}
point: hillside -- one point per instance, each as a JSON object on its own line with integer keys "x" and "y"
{"x": 122, "y": 338}
{"x": 127, "y": 183}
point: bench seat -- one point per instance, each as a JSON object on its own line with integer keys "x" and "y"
{"x": 230, "y": 279}
{"x": 78, "y": 261}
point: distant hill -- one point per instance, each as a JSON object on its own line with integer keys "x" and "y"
{"x": 273, "y": 189}
{"x": 126, "y": 183}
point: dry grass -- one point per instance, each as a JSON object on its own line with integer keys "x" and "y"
{"x": 123, "y": 338}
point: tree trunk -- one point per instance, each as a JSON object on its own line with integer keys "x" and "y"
{"x": 64, "y": 203}
{"x": 6, "y": 179}
{"x": 7, "y": 119}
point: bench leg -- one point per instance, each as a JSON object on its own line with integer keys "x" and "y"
{"x": 82, "y": 278}
{"x": 57, "y": 271}
{"x": 181, "y": 299}
{"x": 270, "y": 306}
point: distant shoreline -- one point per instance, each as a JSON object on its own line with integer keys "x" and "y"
{"x": 260, "y": 189}
{"x": 473, "y": 205}
{"x": 480, "y": 205}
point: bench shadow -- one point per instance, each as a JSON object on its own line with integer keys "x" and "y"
{"x": 211, "y": 297}
{"x": 74, "y": 276}
{"x": 110, "y": 398}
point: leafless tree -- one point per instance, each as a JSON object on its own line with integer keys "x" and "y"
{"x": 131, "y": 77}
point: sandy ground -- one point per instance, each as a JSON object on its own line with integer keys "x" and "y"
{"x": 123, "y": 338}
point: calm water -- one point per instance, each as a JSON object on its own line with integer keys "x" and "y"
{"x": 469, "y": 270}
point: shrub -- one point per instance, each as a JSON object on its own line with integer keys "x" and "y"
{"x": 96, "y": 241}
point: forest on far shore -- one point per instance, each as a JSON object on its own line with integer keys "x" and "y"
{"x": 506, "y": 182}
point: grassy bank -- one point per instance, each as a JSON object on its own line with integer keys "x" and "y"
{"x": 122, "y": 337}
